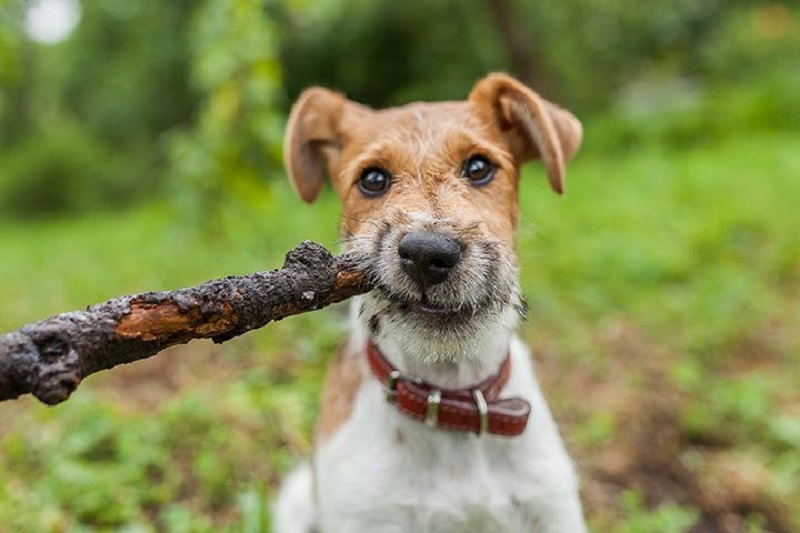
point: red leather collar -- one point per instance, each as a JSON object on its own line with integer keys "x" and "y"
{"x": 476, "y": 409}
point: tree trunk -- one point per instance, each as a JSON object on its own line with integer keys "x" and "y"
{"x": 519, "y": 43}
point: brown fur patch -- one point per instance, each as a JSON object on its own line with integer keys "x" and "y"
{"x": 425, "y": 161}
{"x": 339, "y": 391}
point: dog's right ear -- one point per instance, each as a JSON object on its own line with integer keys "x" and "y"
{"x": 311, "y": 147}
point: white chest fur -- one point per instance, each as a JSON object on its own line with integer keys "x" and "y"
{"x": 383, "y": 472}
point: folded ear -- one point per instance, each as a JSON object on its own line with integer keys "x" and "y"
{"x": 534, "y": 126}
{"x": 311, "y": 146}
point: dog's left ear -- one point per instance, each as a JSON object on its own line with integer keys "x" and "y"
{"x": 534, "y": 127}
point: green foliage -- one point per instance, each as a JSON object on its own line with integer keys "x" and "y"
{"x": 666, "y": 518}
{"x": 96, "y": 466}
{"x": 187, "y": 98}
{"x": 235, "y": 141}
{"x": 66, "y": 170}
{"x": 125, "y": 71}
{"x": 752, "y": 40}
{"x": 677, "y": 114}
{"x": 12, "y": 61}
{"x": 386, "y": 53}
{"x": 584, "y": 54}
{"x": 10, "y": 39}
{"x": 79, "y": 121}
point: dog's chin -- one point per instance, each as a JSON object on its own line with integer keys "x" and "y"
{"x": 440, "y": 330}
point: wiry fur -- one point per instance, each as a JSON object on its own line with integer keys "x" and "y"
{"x": 482, "y": 290}
{"x": 374, "y": 470}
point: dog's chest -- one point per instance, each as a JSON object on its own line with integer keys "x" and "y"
{"x": 382, "y": 470}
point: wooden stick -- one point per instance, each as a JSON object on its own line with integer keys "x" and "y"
{"x": 50, "y": 358}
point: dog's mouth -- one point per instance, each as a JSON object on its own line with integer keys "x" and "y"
{"x": 424, "y": 307}
{"x": 433, "y": 312}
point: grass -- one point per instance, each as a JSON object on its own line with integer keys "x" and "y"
{"x": 665, "y": 319}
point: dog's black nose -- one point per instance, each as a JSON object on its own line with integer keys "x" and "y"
{"x": 428, "y": 257}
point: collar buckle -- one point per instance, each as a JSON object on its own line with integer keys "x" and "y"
{"x": 432, "y": 413}
{"x": 394, "y": 377}
{"x": 483, "y": 411}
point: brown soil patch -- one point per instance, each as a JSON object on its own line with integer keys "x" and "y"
{"x": 648, "y": 450}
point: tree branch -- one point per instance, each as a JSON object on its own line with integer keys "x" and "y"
{"x": 50, "y": 358}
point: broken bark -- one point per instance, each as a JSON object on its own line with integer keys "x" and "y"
{"x": 50, "y": 358}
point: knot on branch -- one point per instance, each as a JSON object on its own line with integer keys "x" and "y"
{"x": 58, "y": 379}
{"x": 58, "y": 369}
{"x": 313, "y": 273}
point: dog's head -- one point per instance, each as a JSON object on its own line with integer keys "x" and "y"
{"x": 429, "y": 200}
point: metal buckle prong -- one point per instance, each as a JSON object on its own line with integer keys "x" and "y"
{"x": 391, "y": 384}
{"x": 432, "y": 415}
{"x": 483, "y": 411}
{"x": 393, "y": 378}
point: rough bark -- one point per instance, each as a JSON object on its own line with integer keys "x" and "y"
{"x": 50, "y": 358}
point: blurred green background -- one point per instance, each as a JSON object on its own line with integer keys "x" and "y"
{"x": 140, "y": 150}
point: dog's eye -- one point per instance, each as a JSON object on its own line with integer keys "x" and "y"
{"x": 374, "y": 182}
{"x": 478, "y": 170}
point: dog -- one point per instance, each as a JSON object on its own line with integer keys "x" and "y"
{"x": 431, "y": 416}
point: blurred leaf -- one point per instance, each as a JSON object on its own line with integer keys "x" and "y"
{"x": 226, "y": 156}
